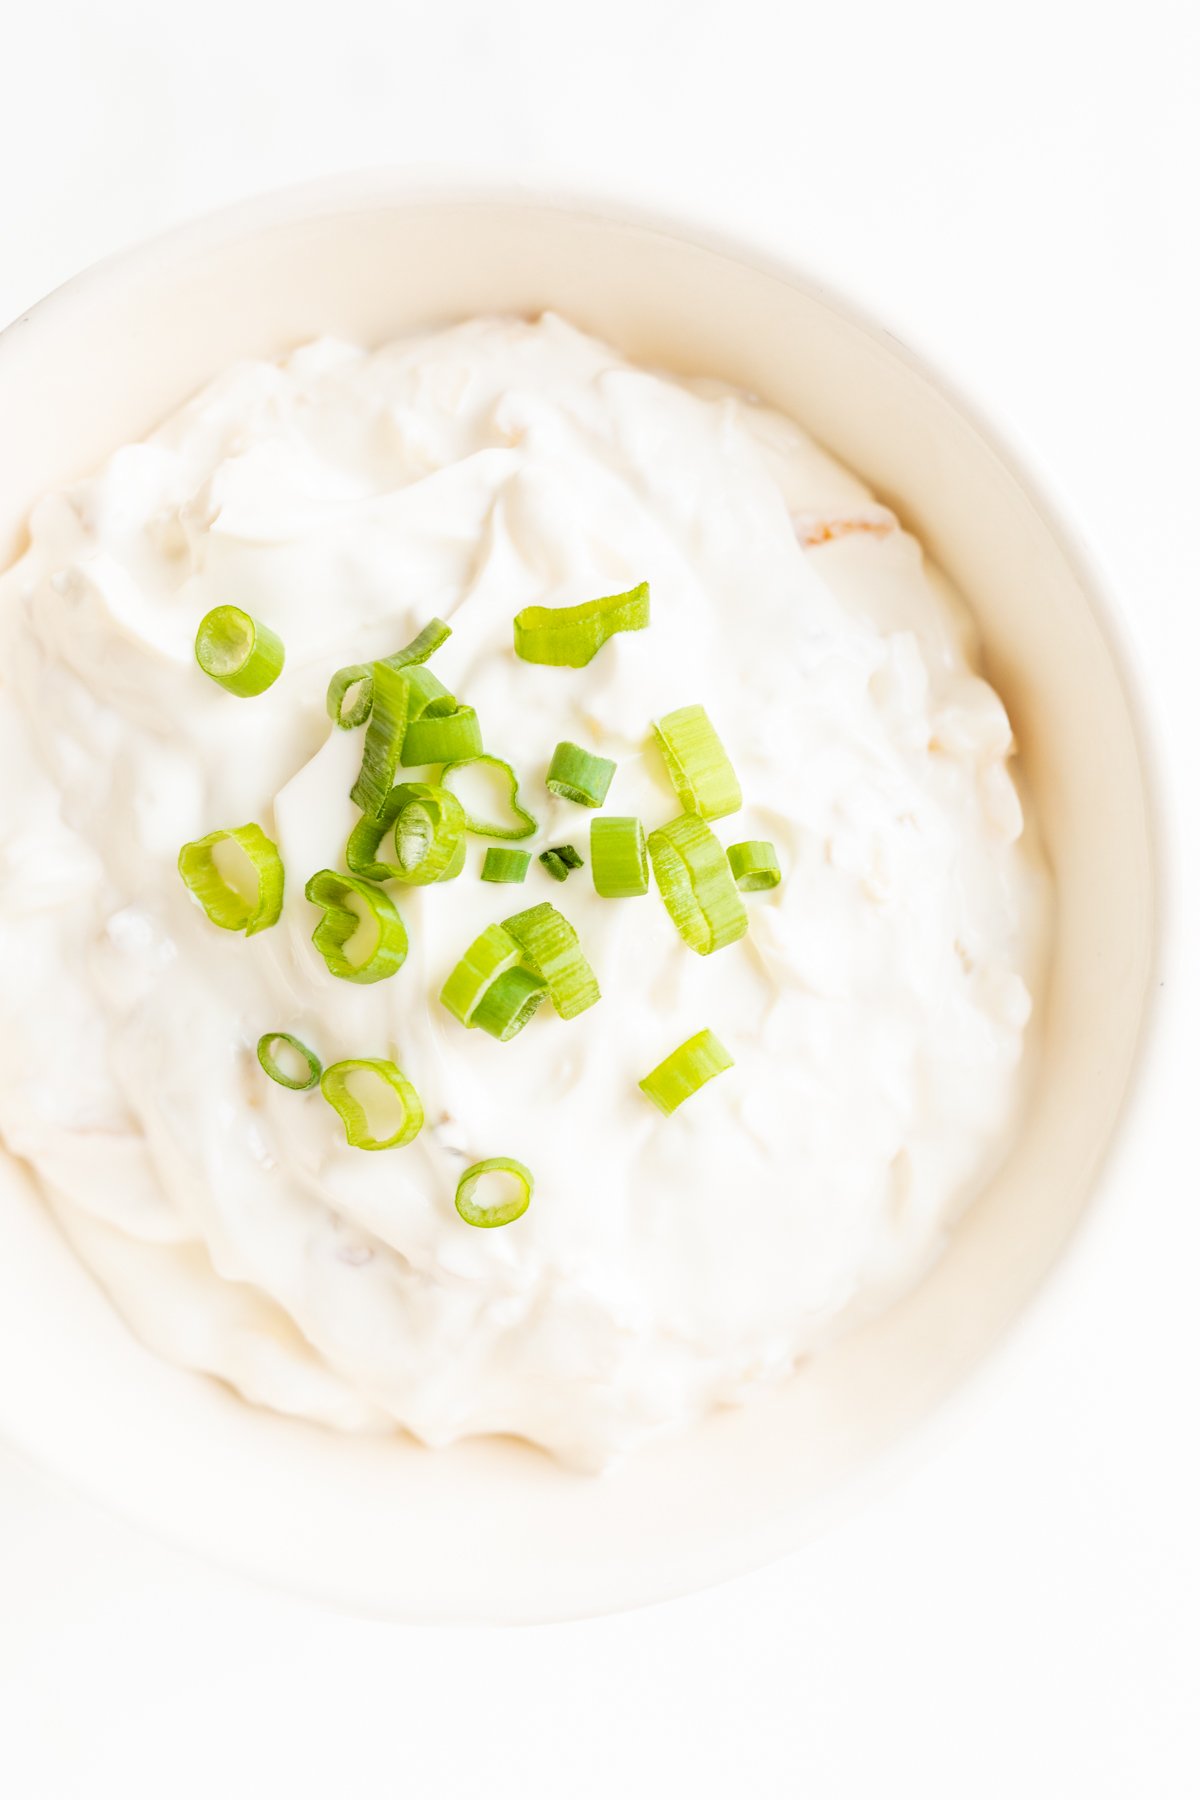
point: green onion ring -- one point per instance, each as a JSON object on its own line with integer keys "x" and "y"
{"x": 384, "y": 741}
{"x": 509, "y": 1003}
{"x": 754, "y": 865}
{"x": 331, "y": 891}
{"x": 442, "y": 738}
{"x": 506, "y": 1210}
{"x": 271, "y": 1065}
{"x": 492, "y": 954}
{"x": 569, "y": 636}
{"x": 526, "y": 823}
{"x": 428, "y": 828}
{"x": 551, "y": 947}
{"x": 619, "y": 867}
{"x": 679, "y": 1075}
{"x": 502, "y": 864}
{"x": 335, "y": 1086}
{"x": 696, "y": 884}
{"x": 238, "y": 652}
{"x": 701, "y": 773}
{"x": 575, "y": 774}
{"x": 222, "y": 902}
{"x": 429, "y": 639}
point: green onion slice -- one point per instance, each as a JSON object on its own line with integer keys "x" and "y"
{"x": 384, "y": 741}
{"x": 240, "y": 654}
{"x": 551, "y": 947}
{"x": 569, "y": 636}
{"x": 696, "y": 883}
{"x": 509, "y": 1003}
{"x": 428, "y": 828}
{"x": 619, "y": 867}
{"x": 300, "y": 1070}
{"x": 350, "y": 694}
{"x": 560, "y": 861}
{"x": 679, "y": 1075}
{"x": 700, "y": 771}
{"x": 236, "y": 876}
{"x": 575, "y": 774}
{"x": 361, "y": 935}
{"x": 754, "y": 865}
{"x": 521, "y": 825}
{"x": 505, "y": 865}
{"x": 442, "y": 738}
{"x": 492, "y": 954}
{"x": 501, "y": 1212}
{"x": 367, "y": 1094}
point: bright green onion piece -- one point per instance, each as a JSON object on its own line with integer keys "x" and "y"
{"x": 428, "y": 830}
{"x": 358, "y": 676}
{"x": 509, "y": 1004}
{"x": 701, "y": 773}
{"x": 365, "y": 1093}
{"x": 237, "y": 877}
{"x": 575, "y": 774}
{"x": 304, "y": 1073}
{"x": 501, "y": 1212}
{"x": 505, "y": 865}
{"x": 679, "y": 1075}
{"x": 522, "y": 824}
{"x": 442, "y": 738}
{"x": 551, "y": 947}
{"x": 385, "y": 738}
{"x": 754, "y": 865}
{"x": 696, "y": 883}
{"x": 560, "y": 861}
{"x": 492, "y": 954}
{"x": 361, "y": 935}
{"x": 619, "y": 867}
{"x": 569, "y": 636}
{"x": 240, "y": 654}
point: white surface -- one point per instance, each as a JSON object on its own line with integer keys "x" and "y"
{"x": 1018, "y": 1614}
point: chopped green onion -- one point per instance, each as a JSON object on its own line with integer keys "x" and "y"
{"x": 551, "y": 947}
{"x": 236, "y": 876}
{"x": 700, "y": 771}
{"x": 240, "y": 654}
{"x": 509, "y": 1004}
{"x": 619, "y": 869}
{"x": 569, "y": 636}
{"x": 442, "y": 738}
{"x": 505, "y": 865}
{"x": 391, "y": 1087}
{"x": 560, "y": 861}
{"x": 754, "y": 865}
{"x": 501, "y": 1212}
{"x": 695, "y": 881}
{"x": 679, "y": 1075}
{"x": 359, "y": 677}
{"x": 428, "y": 829}
{"x": 269, "y": 1056}
{"x": 577, "y": 775}
{"x": 385, "y": 737}
{"x": 492, "y": 954}
{"x": 361, "y": 936}
{"x": 525, "y": 824}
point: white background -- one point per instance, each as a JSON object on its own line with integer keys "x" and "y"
{"x": 1014, "y": 187}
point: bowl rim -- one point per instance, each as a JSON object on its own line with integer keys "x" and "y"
{"x": 376, "y": 188}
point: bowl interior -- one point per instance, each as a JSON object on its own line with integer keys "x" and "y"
{"x": 491, "y": 1529}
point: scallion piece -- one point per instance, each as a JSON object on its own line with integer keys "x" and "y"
{"x": 240, "y": 654}
{"x": 505, "y": 865}
{"x": 385, "y": 737}
{"x": 442, "y": 738}
{"x": 701, "y": 773}
{"x": 679, "y": 1075}
{"x": 560, "y": 861}
{"x": 501, "y": 1212}
{"x": 350, "y": 693}
{"x": 492, "y": 954}
{"x": 428, "y": 828}
{"x": 575, "y": 774}
{"x": 431, "y": 637}
{"x": 569, "y": 636}
{"x": 510, "y": 1003}
{"x": 696, "y": 883}
{"x": 361, "y": 936}
{"x": 236, "y": 876}
{"x": 362, "y": 1090}
{"x": 522, "y": 824}
{"x": 552, "y": 948}
{"x": 754, "y": 865}
{"x": 305, "y": 1068}
{"x": 619, "y": 867}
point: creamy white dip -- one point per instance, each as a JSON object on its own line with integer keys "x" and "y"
{"x": 876, "y": 1009}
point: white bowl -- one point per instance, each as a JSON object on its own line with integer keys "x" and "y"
{"x": 491, "y": 1529}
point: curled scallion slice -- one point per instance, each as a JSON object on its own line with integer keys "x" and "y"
{"x": 696, "y": 884}
{"x": 619, "y": 867}
{"x": 236, "y": 876}
{"x": 701, "y": 773}
{"x": 365, "y": 1091}
{"x": 575, "y": 774}
{"x": 385, "y": 737}
{"x": 500, "y": 1212}
{"x": 507, "y": 1006}
{"x": 754, "y": 865}
{"x": 442, "y": 738}
{"x": 521, "y": 824}
{"x": 361, "y": 936}
{"x": 350, "y": 694}
{"x": 569, "y": 636}
{"x": 679, "y": 1075}
{"x": 501, "y": 864}
{"x": 428, "y": 833}
{"x": 492, "y": 954}
{"x": 238, "y": 652}
{"x": 551, "y": 947}
{"x": 287, "y": 1061}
